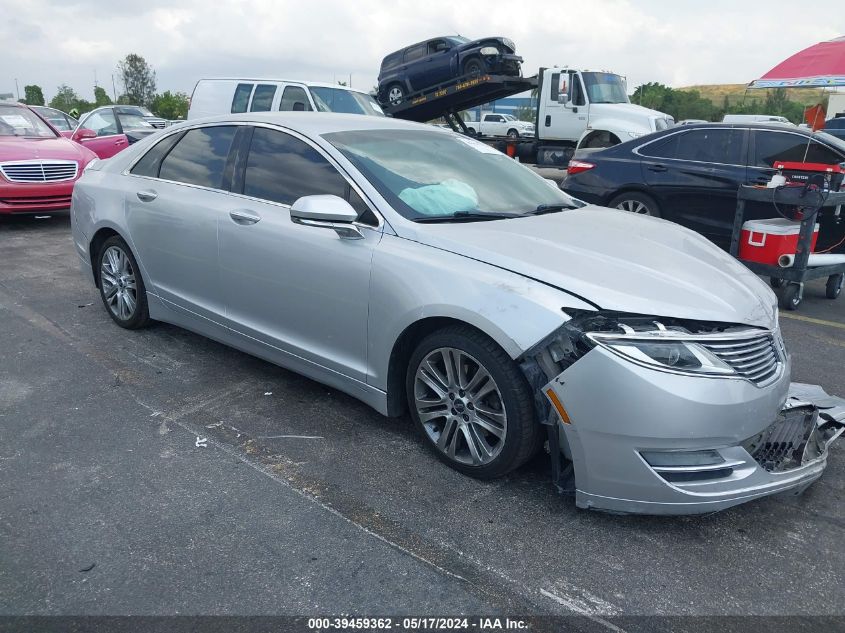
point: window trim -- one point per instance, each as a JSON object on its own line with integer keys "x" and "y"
{"x": 745, "y": 146}
{"x": 341, "y": 170}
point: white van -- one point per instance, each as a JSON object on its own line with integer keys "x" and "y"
{"x": 756, "y": 118}
{"x": 213, "y": 97}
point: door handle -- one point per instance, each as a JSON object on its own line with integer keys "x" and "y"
{"x": 146, "y": 196}
{"x": 120, "y": 142}
{"x": 548, "y": 120}
{"x": 242, "y": 216}
{"x": 657, "y": 168}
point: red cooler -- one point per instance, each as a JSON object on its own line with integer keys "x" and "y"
{"x": 763, "y": 241}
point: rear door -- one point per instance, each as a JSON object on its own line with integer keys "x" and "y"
{"x": 300, "y": 290}
{"x": 172, "y": 212}
{"x": 694, "y": 176}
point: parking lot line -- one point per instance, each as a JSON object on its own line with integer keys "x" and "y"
{"x": 800, "y": 317}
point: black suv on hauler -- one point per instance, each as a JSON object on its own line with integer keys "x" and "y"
{"x": 435, "y": 61}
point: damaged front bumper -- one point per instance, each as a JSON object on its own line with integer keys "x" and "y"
{"x": 644, "y": 441}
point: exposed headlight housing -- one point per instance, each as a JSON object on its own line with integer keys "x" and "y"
{"x": 680, "y": 356}
{"x": 489, "y": 50}
{"x": 509, "y": 44}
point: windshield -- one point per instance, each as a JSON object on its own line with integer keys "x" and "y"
{"x": 346, "y": 101}
{"x": 605, "y": 88}
{"x": 16, "y": 121}
{"x": 134, "y": 122}
{"x": 431, "y": 174}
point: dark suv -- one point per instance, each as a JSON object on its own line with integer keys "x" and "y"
{"x": 836, "y": 127}
{"x": 435, "y": 61}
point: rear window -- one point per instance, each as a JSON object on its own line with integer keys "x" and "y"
{"x": 241, "y": 99}
{"x": 199, "y": 158}
{"x": 150, "y": 162}
{"x": 415, "y": 52}
{"x": 391, "y": 60}
{"x": 262, "y": 100}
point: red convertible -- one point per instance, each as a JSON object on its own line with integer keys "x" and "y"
{"x": 38, "y": 167}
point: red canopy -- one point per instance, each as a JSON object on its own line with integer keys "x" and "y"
{"x": 821, "y": 65}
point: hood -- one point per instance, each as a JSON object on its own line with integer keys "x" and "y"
{"x": 629, "y": 112}
{"x": 618, "y": 261}
{"x": 20, "y": 148}
{"x": 489, "y": 41}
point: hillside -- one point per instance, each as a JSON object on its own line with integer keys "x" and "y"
{"x": 736, "y": 93}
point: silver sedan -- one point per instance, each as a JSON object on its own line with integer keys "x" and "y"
{"x": 419, "y": 270}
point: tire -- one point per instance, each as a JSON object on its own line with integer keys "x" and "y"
{"x": 505, "y": 436}
{"x": 471, "y": 130}
{"x": 473, "y": 66}
{"x": 791, "y": 296}
{"x": 513, "y": 133}
{"x": 395, "y": 94}
{"x": 776, "y": 282}
{"x": 834, "y": 285}
{"x": 121, "y": 286}
{"x": 636, "y": 202}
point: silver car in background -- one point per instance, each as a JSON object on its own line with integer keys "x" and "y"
{"x": 419, "y": 270}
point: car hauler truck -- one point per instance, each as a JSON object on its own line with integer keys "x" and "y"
{"x": 575, "y": 109}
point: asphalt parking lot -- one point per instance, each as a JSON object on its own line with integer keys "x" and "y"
{"x": 303, "y": 500}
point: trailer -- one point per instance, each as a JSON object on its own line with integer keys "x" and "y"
{"x": 575, "y": 109}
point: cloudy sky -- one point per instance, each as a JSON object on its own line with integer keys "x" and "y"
{"x": 49, "y": 42}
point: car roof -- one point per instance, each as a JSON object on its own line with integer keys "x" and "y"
{"x": 316, "y": 123}
{"x": 310, "y": 84}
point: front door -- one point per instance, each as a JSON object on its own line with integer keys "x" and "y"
{"x": 564, "y": 106}
{"x": 109, "y": 140}
{"x": 173, "y": 211}
{"x": 300, "y": 290}
{"x": 694, "y": 176}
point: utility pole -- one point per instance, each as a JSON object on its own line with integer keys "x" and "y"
{"x": 17, "y": 90}
{"x": 113, "y": 89}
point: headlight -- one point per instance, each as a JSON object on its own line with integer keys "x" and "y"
{"x": 680, "y": 356}
{"x": 509, "y": 44}
{"x": 635, "y": 134}
{"x": 489, "y": 50}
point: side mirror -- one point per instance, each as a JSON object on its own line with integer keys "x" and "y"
{"x": 326, "y": 211}
{"x": 83, "y": 133}
{"x": 562, "y": 97}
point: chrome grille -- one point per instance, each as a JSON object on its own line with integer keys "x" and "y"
{"x": 755, "y": 358}
{"x": 39, "y": 170}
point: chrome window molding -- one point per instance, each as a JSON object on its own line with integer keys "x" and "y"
{"x": 127, "y": 171}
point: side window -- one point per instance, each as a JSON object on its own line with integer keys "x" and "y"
{"x": 241, "y": 99}
{"x": 554, "y": 91}
{"x": 262, "y": 99}
{"x": 723, "y": 146}
{"x": 437, "y": 46}
{"x": 295, "y": 98}
{"x": 103, "y": 123}
{"x": 415, "y": 52}
{"x": 281, "y": 168}
{"x": 199, "y": 158}
{"x": 773, "y": 146}
{"x": 150, "y": 162}
{"x": 666, "y": 147}
{"x": 577, "y": 96}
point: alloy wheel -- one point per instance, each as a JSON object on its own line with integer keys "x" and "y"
{"x": 634, "y": 206}
{"x": 117, "y": 277}
{"x": 395, "y": 95}
{"x": 460, "y": 406}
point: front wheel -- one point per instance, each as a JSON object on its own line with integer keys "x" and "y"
{"x": 121, "y": 287}
{"x": 471, "y": 403}
{"x": 513, "y": 133}
{"x": 473, "y": 67}
{"x": 636, "y": 202}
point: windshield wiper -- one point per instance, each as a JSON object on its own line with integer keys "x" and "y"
{"x": 554, "y": 207}
{"x": 465, "y": 216}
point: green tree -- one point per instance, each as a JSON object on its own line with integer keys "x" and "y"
{"x": 170, "y": 105}
{"x": 33, "y": 95}
{"x": 65, "y": 100}
{"x": 101, "y": 97}
{"x": 139, "y": 80}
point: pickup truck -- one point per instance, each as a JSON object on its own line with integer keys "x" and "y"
{"x": 495, "y": 124}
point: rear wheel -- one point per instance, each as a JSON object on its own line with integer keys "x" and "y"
{"x": 636, "y": 202}
{"x": 471, "y": 403}
{"x": 121, "y": 286}
{"x": 395, "y": 94}
{"x": 473, "y": 66}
